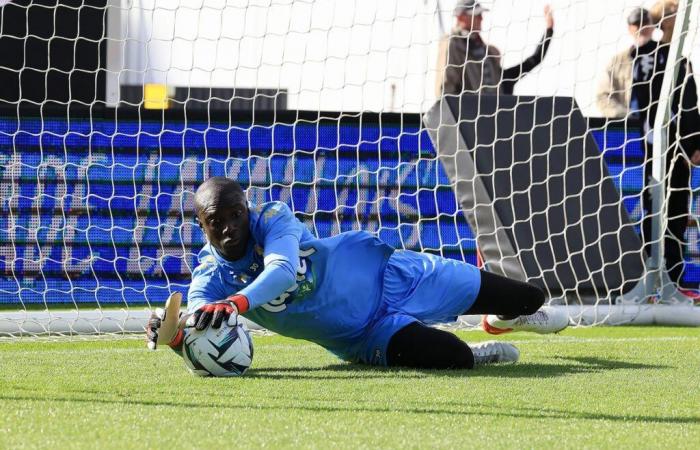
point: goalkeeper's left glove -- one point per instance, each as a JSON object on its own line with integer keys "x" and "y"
{"x": 215, "y": 313}
{"x": 165, "y": 324}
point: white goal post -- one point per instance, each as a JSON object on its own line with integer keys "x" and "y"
{"x": 107, "y": 126}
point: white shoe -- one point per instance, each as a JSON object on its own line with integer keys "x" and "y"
{"x": 494, "y": 352}
{"x": 546, "y": 320}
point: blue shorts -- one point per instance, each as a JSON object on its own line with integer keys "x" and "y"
{"x": 418, "y": 287}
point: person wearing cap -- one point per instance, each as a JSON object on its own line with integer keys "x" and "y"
{"x": 614, "y": 93}
{"x": 468, "y": 64}
{"x": 631, "y": 89}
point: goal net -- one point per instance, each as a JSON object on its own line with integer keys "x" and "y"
{"x": 113, "y": 111}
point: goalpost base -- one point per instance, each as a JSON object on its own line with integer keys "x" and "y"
{"x": 655, "y": 284}
{"x": 76, "y": 323}
{"x": 94, "y": 322}
{"x": 622, "y": 314}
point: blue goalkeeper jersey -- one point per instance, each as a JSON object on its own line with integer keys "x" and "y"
{"x": 336, "y": 284}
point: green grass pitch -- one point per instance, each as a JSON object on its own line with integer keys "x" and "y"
{"x": 627, "y": 387}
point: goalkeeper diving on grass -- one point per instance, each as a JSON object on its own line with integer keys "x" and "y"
{"x": 351, "y": 293}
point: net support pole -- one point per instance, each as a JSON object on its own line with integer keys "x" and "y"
{"x": 667, "y": 290}
{"x": 116, "y": 37}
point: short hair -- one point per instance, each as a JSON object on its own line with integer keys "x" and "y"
{"x": 220, "y": 184}
{"x": 639, "y": 17}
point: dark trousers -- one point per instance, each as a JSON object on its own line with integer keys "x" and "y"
{"x": 677, "y": 203}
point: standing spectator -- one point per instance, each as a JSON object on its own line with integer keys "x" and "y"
{"x": 648, "y": 67}
{"x": 467, "y": 64}
{"x": 684, "y": 136}
{"x": 615, "y": 87}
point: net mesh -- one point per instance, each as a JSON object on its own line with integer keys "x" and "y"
{"x": 316, "y": 104}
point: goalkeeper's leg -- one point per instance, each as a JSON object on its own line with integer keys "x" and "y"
{"x": 511, "y": 305}
{"x": 422, "y": 347}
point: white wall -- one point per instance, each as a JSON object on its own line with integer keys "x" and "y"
{"x": 347, "y": 55}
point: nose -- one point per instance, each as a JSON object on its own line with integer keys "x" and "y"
{"x": 228, "y": 228}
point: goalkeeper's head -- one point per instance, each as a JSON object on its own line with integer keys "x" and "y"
{"x": 222, "y": 212}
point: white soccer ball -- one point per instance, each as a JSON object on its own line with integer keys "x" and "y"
{"x": 223, "y": 352}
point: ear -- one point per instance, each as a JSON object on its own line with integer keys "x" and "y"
{"x": 196, "y": 219}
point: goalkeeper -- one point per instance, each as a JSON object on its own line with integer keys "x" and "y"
{"x": 351, "y": 293}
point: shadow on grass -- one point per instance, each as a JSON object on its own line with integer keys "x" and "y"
{"x": 287, "y": 405}
{"x": 568, "y": 366}
{"x": 349, "y": 372}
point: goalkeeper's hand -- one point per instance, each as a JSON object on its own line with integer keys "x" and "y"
{"x": 165, "y": 324}
{"x": 215, "y": 313}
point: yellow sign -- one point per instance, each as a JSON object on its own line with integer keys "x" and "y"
{"x": 155, "y": 96}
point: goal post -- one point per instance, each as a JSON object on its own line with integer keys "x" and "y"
{"x": 109, "y": 122}
{"x": 661, "y": 147}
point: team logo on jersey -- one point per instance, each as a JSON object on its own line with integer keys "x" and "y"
{"x": 241, "y": 278}
{"x": 272, "y": 212}
{"x": 305, "y": 284}
{"x": 246, "y": 276}
{"x": 205, "y": 262}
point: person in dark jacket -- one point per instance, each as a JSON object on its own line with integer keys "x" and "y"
{"x": 649, "y": 63}
{"x": 468, "y": 64}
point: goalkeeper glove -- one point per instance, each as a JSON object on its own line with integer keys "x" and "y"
{"x": 165, "y": 324}
{"x": 215, "y": 313}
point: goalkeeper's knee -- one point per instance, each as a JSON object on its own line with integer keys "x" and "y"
{"x": 421, "y": 347}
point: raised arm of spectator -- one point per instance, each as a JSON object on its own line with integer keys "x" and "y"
{"x": 511, "y": 75}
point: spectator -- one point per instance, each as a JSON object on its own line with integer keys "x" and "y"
{"x": 467, "y": 64}
{"x": 683, "y": 135}
{"x": 615, "y": 87}
{"x": 648, "y": 67}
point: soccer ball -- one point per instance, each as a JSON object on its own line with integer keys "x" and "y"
{"x": 223, "y": 352}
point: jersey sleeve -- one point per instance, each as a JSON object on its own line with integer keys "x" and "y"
{"x": 206, "y": 286}
{"x": 280, "y": 232}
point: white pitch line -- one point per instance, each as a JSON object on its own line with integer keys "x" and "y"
{"x": 95, "y": 351}
{"x": 580, "y": 340}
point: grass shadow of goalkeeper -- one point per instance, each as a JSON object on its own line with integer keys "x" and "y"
{"x": 566, "y": 366}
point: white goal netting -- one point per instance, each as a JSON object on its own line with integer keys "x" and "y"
{"x": 113, "y": 111}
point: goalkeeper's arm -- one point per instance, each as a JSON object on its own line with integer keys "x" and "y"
{"x": 281, "y": 263}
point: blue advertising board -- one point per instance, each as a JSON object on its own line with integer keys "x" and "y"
{"x": 100, "y": 210}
